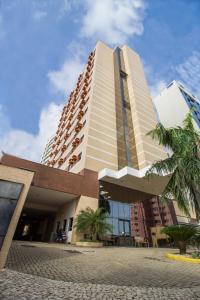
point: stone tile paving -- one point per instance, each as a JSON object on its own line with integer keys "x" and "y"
{"x": 140, "y": 267}
{"x": 15, "y": 285}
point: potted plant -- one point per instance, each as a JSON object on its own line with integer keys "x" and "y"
{"x": 92, "y": 223}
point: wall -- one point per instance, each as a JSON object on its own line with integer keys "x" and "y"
{"x": 82, "y": 203}
{"x": 171, "y": 106}
{"x": 20, "y": 176}
{"x": 66, "y": 212}
{"x": 143, "y": 115}
{"x": 101, "y": 149}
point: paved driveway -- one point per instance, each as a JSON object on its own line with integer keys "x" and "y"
{"x": 140, "y": 267}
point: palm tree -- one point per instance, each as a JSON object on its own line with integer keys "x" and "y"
{"x": 181, "y": 234}
{"x": 93, "y": 222}
{"x": 183, "y": 164}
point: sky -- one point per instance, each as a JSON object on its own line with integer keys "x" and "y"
{"x": 44, "y": 46}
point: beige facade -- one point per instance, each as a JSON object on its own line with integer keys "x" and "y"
{"x": 82, "y": 203}
{"x": 17, "y": 176}
{"x": 112, "y": 105}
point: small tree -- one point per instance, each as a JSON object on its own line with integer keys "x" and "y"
{"x": 93, "y": 223}
{"x": 196, "y": 241}
{"x": 183, "y": 164}
{"x": 181, "y": 234}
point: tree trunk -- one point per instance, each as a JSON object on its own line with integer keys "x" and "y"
{"x": 182, "y": 247}
{"x": 94, "y": 236}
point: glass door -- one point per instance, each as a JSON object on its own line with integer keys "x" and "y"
{"x": 124, "y": 227}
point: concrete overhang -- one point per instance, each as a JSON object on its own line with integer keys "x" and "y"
{"x": 135, "y": 179}
{"x": 47, "y": 200}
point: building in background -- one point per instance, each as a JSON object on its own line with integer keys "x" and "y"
{"x": 174, "y": 102}
{"x": 150, "y": 215}
{"x": 47, "y": 151}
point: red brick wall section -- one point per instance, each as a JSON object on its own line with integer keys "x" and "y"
{"x": 85, "y": 184}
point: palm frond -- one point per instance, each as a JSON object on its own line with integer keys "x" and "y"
{"x": 162, "y": 167}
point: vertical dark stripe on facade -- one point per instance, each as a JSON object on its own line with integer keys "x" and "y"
{"x": 121, "y": 110}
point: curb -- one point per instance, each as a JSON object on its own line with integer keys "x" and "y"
{"x": 183, "y": 258}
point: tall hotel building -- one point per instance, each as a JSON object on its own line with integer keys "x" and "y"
{"x": 98, "y": 157}
{"x": 105, "y": 121}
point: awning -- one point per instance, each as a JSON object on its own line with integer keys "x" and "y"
{"x": 135, "y": 179}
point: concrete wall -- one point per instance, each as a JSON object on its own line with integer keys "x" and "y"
{"x": 19, "y": 176}
{"x": 66, "y": 212}
{"x": 171, "y": 106}
{"x": 143, "y": 114}
{"x": 101, "y": 151}
{"x": 83, "y": 203}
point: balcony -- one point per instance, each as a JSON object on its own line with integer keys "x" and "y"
{"x": 56, "y": 152}
{"x": 64, "y": 147}
{"x": 80, "y": 115}
{"x": 61, "y": 161}
{"x": 69, "y": 126}
{"x": 86, "y": 82}
{"x": 66, "y": 136}
{"x": 78, "y": 127}
{"x": 71, "y": 117}
{"x": 76, "y": 142}
{"x": 53, "y": 162}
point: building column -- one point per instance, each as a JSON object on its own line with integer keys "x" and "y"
{"x": 83, "y": 203}
{"x": 9, "y": 176}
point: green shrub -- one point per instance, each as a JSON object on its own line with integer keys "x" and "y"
{"x": 181, "y": 234}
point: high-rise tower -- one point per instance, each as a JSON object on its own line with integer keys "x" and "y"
{"x": 105, "y": 121}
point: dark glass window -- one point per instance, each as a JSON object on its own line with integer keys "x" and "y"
{"x": 9, "y": 195}
{"x": 57, "y": 226}
{"x": 70, "y": 224}
{"x": 119, "y": 216}
{"x": 10, "y": 190}
{"x": 64, "y": 224}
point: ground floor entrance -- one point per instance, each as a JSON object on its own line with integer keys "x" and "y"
{"x": 35, "y": 225}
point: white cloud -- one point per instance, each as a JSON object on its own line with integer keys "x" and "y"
{"x": 64, "y": 79}
{"x": 39, "y": 15}
{"x": 189, "y": 73}
{"x": 157, "y": 88}
{"x": 27, "y": 145}
{"x": 113, "y": 21}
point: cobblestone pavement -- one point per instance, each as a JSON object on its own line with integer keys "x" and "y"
{"x": 106, "y": 273}
{"x": 15, "y": 285}
{"x": 118, "y": 266}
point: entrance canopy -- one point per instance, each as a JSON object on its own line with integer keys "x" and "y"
{"x": 46, "y": 199}
{"x": 135, "y": 180}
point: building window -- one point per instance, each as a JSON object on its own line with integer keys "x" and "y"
{"x": 57, "y": 226}
{"x": 70, "y": 223}
{"x": 119, "y": 216}
{"x": 9, "y": 196}
{"x": 123, "y": 74}
{"x": 64, "y": 224}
